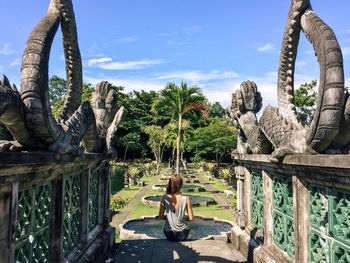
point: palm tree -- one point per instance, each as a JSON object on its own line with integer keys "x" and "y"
{"x": 179, "y": 100}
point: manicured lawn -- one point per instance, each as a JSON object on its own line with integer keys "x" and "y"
{"x": 143, "y": 210}
{"x": 134, "y": 189}
{"x": 210, "y": 211}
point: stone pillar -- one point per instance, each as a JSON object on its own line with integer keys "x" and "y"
{"x": 240, "y": 173}
{"x": 57, "y": 221}
{"x": 301, "y": 220}
{"x": 84, "y": 204}
{"x": 8, "y": 219}
{"x": 268, "y": 209}
{"x": 104, "y": 195}
{"x": 247, "y": 197}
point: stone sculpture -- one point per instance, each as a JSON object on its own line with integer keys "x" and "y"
{"x": 329, "y": 130}
{"x": 27, "y": 115}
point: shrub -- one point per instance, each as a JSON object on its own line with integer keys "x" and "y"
{"x": 118, "y": 202}
{"x": 225, "y": 173}
{"x": 134, "y": 172}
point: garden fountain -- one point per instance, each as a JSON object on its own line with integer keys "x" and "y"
{"x": 185, "y": 188}
{"x": 152, "y": 228}
{"x": 154, "y": 200}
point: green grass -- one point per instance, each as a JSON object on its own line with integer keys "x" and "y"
{"x": 213, "y": 211}
{"x": 134, "y": 189}
{"x": 210, "y": 211}
{"x": 143, "y": 210}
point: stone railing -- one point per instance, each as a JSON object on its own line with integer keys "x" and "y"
{"x": 54, "y": 208}
{"x": 296, "y": 211}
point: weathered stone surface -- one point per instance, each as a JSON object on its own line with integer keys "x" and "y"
{"x": 154, "y": 251}
{"x": 28, "y": 115}
{"x": 279, "y": 127}
{"x": 23, "y": 180}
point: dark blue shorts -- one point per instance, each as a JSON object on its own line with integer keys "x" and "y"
{"x": 177, "y": 236}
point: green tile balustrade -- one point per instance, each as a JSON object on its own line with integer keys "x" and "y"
{"x": 72, "y": 213}
{"x": 93, "y": 199}
{"x": 32, "y": 229}
{"x": 257, "y": 200}
{"x": 330, "y": 225}
{"x": 283, "y": 221}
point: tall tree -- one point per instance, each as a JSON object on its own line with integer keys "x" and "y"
{"x": 216, "y": 110}
{"x": 131, "y": 141}
{"x": 57, "y": 92}
{"x": 157, "y": 139}
{"x": 215, "y": 140}
{"x": 180, "y": 100}
{"x": 305, "y": 102}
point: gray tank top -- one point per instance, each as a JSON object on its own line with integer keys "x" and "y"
{"x": 175, "y": 220}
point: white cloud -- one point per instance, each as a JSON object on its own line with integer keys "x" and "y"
{"x": 95, "y": 61}
{"x": 168, "y": 34}
{"x": 108, "y": 63}
{"x": 192, "y": 29}
{"x": 216, "y": 85}
{"x": 128, "y": 39}
{"x": 6, "y": 49}
{"x": 266, "y": 48}
{"x": 196, "y": 76}
{"x": 130, "y": 84}
{"x": 16, "y": 62}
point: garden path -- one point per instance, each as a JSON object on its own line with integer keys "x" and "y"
{"x": 218, "y": 197}
{"x": 161, "y": 250}
{"x": 123, "y": 214}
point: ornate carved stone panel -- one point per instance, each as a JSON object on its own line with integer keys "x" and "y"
{"x": 283, "y": 221}
{"x": 72, "y": 213}
{"x": 330, "y": 224}
{"x": 257, "y": 200}
{"x": 93, "y": 199}
{"x": 33, "y": 221}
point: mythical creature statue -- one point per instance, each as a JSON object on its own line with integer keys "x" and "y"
{"x": 278, "y": 128}
{"x": 27, "y": 115}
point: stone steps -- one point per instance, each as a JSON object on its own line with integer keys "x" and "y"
{"x": 162, "y": 251}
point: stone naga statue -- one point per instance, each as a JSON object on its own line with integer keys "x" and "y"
{"x": 27, "y": 115}
{"x": 279, "y": 127}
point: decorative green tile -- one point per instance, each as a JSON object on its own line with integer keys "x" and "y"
{"x": 71, "y": 226}
{"x": 33, "y": 225}
{"x": 93, "y": 199}
{"x": 318, "y": 205}
{"x": 340, "y": 253}
{"x": 257, "y": 200}
{"x": 340, "y": 216}
{"x": 319, "y": 249}
{"x": 283, "y": 223}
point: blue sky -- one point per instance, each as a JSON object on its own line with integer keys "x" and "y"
{"x": 145, "y": 44}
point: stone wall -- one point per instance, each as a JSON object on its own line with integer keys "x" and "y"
{"x": 54, "y": 208}
{"x": 295, "y": 211}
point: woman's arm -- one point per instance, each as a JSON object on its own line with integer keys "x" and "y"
{"x": 189, "y": 209}
{"x": 162, "y": 209}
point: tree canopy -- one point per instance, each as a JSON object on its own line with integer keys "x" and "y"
{"x": 180, "y": 100}
{"x": 215, "y": 141}
{"x": 305, "y": 102}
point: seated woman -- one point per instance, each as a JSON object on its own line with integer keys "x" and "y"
{"x": 174, "y": 205}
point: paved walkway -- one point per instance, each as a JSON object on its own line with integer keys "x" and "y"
{"x": 122, "y": 215}
{"x": 163, "y": 251}
{"x": 218, "y": 197}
